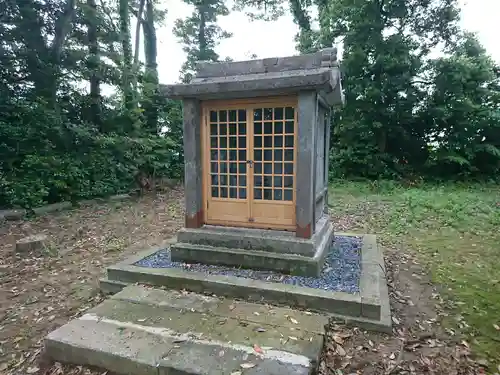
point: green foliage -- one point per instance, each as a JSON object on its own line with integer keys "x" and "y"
{"x": 58, "y": 142}
{"x": 406, "y": 114}
{"x": 454, "y": 227}
{"x": 55, "y": 161}
{"x": 200, "y": 34}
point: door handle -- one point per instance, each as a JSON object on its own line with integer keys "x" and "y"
{"x": 250, "y": 163}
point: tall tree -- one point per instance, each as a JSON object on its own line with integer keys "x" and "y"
{"x": 200, "y": 34}
{"x": 126, "y": 68}
{"x": 151, "y": 100}
{"x": 30, "y": 21}
{"x": 385, "y": 44}
{"x": 463, "y": 109}
{"x": 93, "y": 63}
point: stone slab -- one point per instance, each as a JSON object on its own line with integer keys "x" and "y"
{"x": 296, "y": 80}
{"x": 370, "y": 308}
{"x": 93, "y": 343}
{"x": 54, "y": 207}
{"x": 15, "y": 214}
{"x": 31, "y": 243}
{"x": 238, "y": 287}
{"x": 152, "y": 331}
{"x": 253, "y": 259}
{"x": 241, "y": 310}
{"x": 207, "y": 69}
{"x": 256, "y": 239}
{"x": 111, "y": 286}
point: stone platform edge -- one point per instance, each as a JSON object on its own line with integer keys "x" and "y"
{"x": 13, "y": 214}
{"x": 369, "y": 308}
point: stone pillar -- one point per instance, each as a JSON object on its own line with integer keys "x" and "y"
{"x": 327, "y": 156}
{"x": 304, "y": 184}
{"x": 193, "y": 163}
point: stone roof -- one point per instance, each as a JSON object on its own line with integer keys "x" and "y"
{"x": 284, "y": 75}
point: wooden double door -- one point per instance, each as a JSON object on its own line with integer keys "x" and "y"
{"x": 249, "y": 162}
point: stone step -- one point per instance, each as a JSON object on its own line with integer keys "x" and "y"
{"x": 144, "y": 330}
{"x": 257, "y": 239}
{"x": 253, "y": 259}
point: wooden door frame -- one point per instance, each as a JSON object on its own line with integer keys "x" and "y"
{"x": 248, "y": 104}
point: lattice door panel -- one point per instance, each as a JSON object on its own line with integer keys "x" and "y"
{"x": 274, "y": 148}
{"x": 227, "y": 144}
{"x": 250, "y": 160}
{"x": 274, "y": 165}
{"x": 228, "y": 154}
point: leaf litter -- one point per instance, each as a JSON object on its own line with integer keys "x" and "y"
{"x": 46, "y": 292}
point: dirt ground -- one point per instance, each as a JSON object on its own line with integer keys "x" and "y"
{"x": 39, "y": 294}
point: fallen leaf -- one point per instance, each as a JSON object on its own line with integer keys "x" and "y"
{"x": 370, "y": 342}
{"x": 221, "y": 353}
{"x": 465, "y": 343}
{"x": 392, "y": 356}
{"x": 294, "y": 321}
{"x": 341, "y": 351}
{"x": 338, "y": 339}
{"x": 496, "y": 326}
{"x": 247, "y": 365}
{"x": 256, "y": 313}
{"x": 293, "y": 338}
{"x": 141, "y": 320}
{"x": 257, "y": 349}
{"x": 32, "y": 370}
{"x": 236, "y": 373}
{"x": 232, "y": 307}
{"x": 395, "y": 320}
{"x": 307, "y": 312}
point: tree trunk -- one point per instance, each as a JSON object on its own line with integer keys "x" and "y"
{"x": 302, "y": 19}
{"x": 137, "y": 44}
{"x": 128, "y": 94}
{"x": 44, "y": 61}
{"x": 151, "y": 95}
{"x": 93, "y": 66}
{"x": 201, "y": 34}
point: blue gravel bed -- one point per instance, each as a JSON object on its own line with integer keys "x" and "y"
{"x": 340, "y": 272}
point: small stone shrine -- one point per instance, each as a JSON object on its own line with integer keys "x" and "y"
{"x": 256, "y": 140}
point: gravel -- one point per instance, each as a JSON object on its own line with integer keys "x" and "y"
{"x": 340, "y": 272}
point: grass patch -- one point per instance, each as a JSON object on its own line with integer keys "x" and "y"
{"x": 455, "y": 229}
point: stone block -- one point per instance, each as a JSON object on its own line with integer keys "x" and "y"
{"x": 15, "y": 214}
{"x": 31, "y": 243}
{"x": 49, "y": 208}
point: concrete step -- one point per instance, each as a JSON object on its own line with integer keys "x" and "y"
{"x": 144, "y": 330}
{"x": 257, "y": 239}
{"x": 253, "y": 259}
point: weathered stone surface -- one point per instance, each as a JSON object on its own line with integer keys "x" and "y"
{"x": 305, "y": 161}
{"x": 192, "y": 163}
{"x": 49, "y": 208}
{"x": 120, "y": 197}
{"x": 253, "y": 259}
{"x": 269, "y": 250}
{"x": 15, "y": 214}
{"x": 320, "y": 79}
{"x": 111, "y": 286}
{"x": 151, "y": 331}
{"x": 31, "y": 243}
{"x": 323, "y": 58}
{"x": 256, "y": 239}
{"x": 369, "y": 309}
